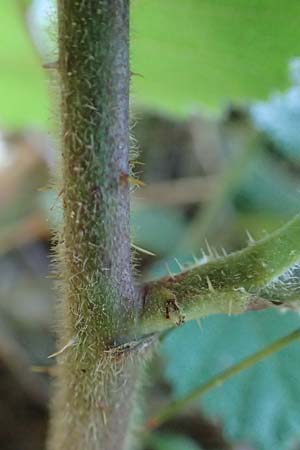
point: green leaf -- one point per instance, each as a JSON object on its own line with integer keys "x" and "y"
{"x": 206, "y": 52}
{"x": 261, "y": 405}
{"x": 190, "y": 53}
{"x": 172, "y": 442}
{"x": 23, "y": 90}
{"x": 157, "y": 229}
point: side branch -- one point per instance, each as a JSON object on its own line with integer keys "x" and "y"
{"x": 230, "y": 285}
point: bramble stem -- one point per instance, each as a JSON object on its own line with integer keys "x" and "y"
{"x": 95, "y": 386}
{"x": 94, "y": 71}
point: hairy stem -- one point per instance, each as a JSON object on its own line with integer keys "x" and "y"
{"x": 93, "y": 61}
{"x": 230, "y": 285}
{"x": 95, "y": 387}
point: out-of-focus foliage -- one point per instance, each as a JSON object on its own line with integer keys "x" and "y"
{"x": 280, "y": 116}
{"x": 196, "y": 52}
{"x": 172, "y": 442}
{"x": 23, "y": 90}
{"x": 206, "y": 52}
{"x": 146, "y": 222}
{"x": 261, "y": 405}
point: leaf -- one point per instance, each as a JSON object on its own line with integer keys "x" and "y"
{"x": 172, "y": 442}
{"x": 157, "y": 229}
{"x": 261, "y": 405}
{"x": 279, "y": 118}
{"x": 23, "y": 90}
{"x": 191, "y": 53}
{"x": 207, "y": 52}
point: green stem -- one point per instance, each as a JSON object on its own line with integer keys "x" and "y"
{"x": 94, "y": 73}
{"x": 229, "y": 285}
{"x": 176, "y": 406}
{"x": 95, "y": 386}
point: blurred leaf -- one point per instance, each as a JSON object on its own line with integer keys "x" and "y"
{"x": 23, "y": 91}
{"x": 279, "y": 118}
{"x": 189, "y": 53}
{"x": 268, "y": 186}
{"x": 172, "y": 442}
{"x": 207, "y": 52}
{"x": 261, "y": 405}
{"x": 157, "y": 229}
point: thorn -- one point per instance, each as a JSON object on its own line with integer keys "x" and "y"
{"x": 136, "y": 74}
{"x": 215, "y": 253}
{"x": 124, "y": 177}
{"x": 210, "y": 252}
{"x": 195, "y": 259}
{"x": 230, "y": 308}
{"x": 179, "y": 264}
{"x": 104, "y": 418}
{"x": 137, "y": 163}
{"x": 250, "y": 237}
{"x": 45, "y": 188}
{"x": 199, "y": 324}
{"x": 224, "y": 251}
{"x": 57, "y": 198}
{"x": 49, "y": 370}
{"x": 142, "y": 250}
{"x": 65, "y": 347}
{"x": 51, "y": 65}
{"x": 169, "y": 270}
{"x": 204, "y": 259}
{"x": 209, "y": 284}
{"x": 135, "y": 181}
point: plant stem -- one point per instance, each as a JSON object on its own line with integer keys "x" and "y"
{"x": 177, "y": 406}
{"x": 95, "y": 387}
{"x": 230, "y": 284}
{"x": 94, "y": 70}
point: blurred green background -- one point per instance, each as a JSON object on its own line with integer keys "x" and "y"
{"x": 216, "y": 115}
